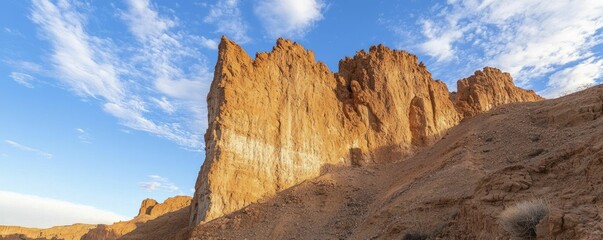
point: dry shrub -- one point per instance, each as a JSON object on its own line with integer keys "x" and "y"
{"x": 520, "y": 220}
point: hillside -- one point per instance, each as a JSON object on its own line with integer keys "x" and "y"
{"x": 154, "y": 221}
{"x": 456, "y": 189}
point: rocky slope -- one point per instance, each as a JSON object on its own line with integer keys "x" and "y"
{"x": 457, "y": 188}
{"x": 154, "y": 221}
{"x": 283, "y": 117}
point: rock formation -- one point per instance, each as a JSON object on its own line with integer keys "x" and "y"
{"x": 146, "y": 206}
{"x": 487, "y": 89}
{"x": 149, "y": 211}
{"x": 71, "y": 232}
{"x": 283, "y": 117}
{"x": 152, "y": 220}
{"x": 547, "y": 152}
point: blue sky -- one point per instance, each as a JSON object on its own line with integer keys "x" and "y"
{"x": 102, "y": 103}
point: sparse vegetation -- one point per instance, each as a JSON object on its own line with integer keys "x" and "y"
{"x": 520, "y": 220}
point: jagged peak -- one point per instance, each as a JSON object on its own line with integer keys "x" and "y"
{"x": 146, "y": 206}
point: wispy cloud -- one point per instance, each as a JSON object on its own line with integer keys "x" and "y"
{"x": 226, "y": 16}
{"x": 529, "y": 39}
{"x": 289, "y": 18}
{"x": 132, "y": 81}
{"x": 23, "y": 79}
{"x": 158, "y": 183}
{"x": 165, "y": 105}
{"x": 34, "y": 211}
{"x": 83, "y": 135}
{"x": 82, "y": 60}
{"x": 24, "y": 65}
{"x": 574, "y": 78}
{"x": 28, "y": 149}
{"x": 209, "y": 43}
{"x": 13, "y": 32}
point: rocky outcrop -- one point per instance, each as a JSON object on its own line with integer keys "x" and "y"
{"x": 489, "y": 88}
{"x": 283, "y": 117}
{"x": 393, "y": 102}
{"x": 149, "y": 211}
{"x": 71, "y": 232}
{"x": 146, "y": 206}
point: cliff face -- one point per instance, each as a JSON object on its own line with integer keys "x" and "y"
{"x": 393, "y": 100}
{"x": 282, "y": 118}
{"x": 273, "y": 122}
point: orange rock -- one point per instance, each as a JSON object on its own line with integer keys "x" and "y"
{"x": 282, "y": 118}
{"x": 146, "y": 206}
{"x": 489, "y": 88}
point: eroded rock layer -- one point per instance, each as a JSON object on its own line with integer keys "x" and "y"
{"x": 283, "y": 117}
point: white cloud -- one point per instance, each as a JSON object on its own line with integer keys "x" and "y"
{"x": 164, "y": 104}
{"x": 22, "y": 78}
{"x": 24, "y": 66}
{"x": 85, "y": 67}
{"x": 439, "y": 41}
{"x": 209, "y": 43}
{"x": 574, "y": 78}
{"x": 32, "y": 211}
{"x": 165, "y": 51}
{"x": 146, "y": 23}
{"x": 124, "y": 78}
{"x": 226, "y": 16}
{"x": 28, "y": 149}
{"x": 83, "y": 135}
{"x": 289, "y": 18}
{"x": 530, "y": 39}
{"x": 159, "y": 183}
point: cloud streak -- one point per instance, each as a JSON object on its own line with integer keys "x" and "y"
{"x": 40, "y": 212}
{"x": 226, "y": 16}
{"x": 28, "y": 149}
{"x": 159, "y": 183}
{"x": 22, "y": 79}
{"x": 83, "y": 135}
{"x": 135, "y": 81}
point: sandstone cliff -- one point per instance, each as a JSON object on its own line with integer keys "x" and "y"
{"x": 283, "y": 117}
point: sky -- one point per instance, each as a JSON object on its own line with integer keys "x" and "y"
{"x": 102, "y": 103}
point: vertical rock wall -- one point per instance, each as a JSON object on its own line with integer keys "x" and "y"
{"x": 282, "y": 118}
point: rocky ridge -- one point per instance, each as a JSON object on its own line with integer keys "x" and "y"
{"x": 153, "y": 221}
{"x": 283, "y": 117}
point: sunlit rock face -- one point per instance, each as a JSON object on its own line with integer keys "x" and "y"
{"x": 283, "y": 117}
